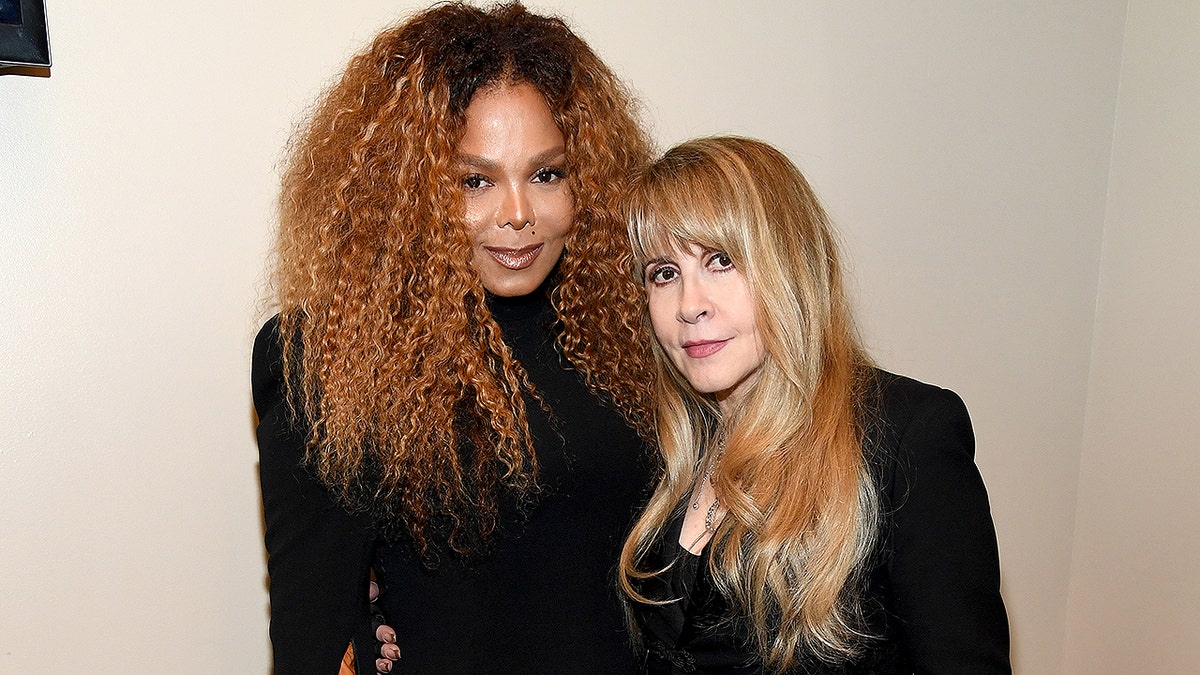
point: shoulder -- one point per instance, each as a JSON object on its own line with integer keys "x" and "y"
{"x": 266, "y": 366}
{"x": 897, "y": 400}
{"x": 896, "y": 406}
{"x": 267, "y": 345}
{"x": 938, "y": 542}
{"x": 911, "y": 427}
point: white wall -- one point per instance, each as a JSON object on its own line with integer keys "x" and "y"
{"x": 1135, "y": 576}
{"x": 964, "y": 147}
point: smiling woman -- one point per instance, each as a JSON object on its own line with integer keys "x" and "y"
{"x": 458, "y": 368}
{"x": 513, "y": 160}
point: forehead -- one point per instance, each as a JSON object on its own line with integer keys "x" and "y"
{"x": 508, "y": 119}
{"x": 673, "y": 215}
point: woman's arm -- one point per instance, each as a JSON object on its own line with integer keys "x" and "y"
{"x": 318, "y": 554}
{"x": 944, "y": 570}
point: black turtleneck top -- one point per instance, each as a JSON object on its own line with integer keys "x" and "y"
{"x": 540, "y": 600}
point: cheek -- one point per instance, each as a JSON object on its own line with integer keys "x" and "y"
{"x": 477, "y": 216}
{"x": 557, "y": 215}
{"x": 760, "y": 352}
{"x": 660, "y": 321}
{"x": 656, "y": 306}
{"x": 748, "y": 317}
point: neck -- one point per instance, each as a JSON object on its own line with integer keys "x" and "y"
{"x": 520, "y": 306}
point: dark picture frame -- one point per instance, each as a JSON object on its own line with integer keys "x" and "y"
{"x": 23, "y": 37}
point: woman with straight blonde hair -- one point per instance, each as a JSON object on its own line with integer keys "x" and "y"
{"x": 815, "y": 513}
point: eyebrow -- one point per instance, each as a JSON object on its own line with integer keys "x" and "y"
{"x": 660, "y": 260}
{"x": 544, "y": 157}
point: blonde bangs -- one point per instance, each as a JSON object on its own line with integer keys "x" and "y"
{"x": 678, "y": 204}
{"x": 802, "y": 511}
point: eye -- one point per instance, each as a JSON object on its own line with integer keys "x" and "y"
{"x": 662, "y": 274}
{"x": 549, "y": 174}
{"x": 720, "y": 261}
{"x": 475, "y": 181}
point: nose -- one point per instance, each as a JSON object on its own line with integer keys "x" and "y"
{"x": 516, "y": 211}
{"x": 695, "y": 305}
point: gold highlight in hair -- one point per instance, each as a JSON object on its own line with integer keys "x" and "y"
{"x": 391, "y": 354}
{"x": 802, "y": 512}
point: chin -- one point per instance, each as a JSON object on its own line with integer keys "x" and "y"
{"x": 511, "y": 292}
{"x": 705, "y": 385}
{"x": 515, "y": 287}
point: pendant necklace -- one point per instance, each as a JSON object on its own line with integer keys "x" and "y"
{"x": 710, "y": 518}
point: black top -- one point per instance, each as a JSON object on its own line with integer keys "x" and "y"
{"x": 934, "y": 588}
{"x": 542, "y": 598}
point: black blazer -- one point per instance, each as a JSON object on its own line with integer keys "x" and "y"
{"x": 934, "y": 586}
{"x": 309, "y": 630}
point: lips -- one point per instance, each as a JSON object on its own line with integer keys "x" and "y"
{"x": 698, "y": 349}
{"x": 514, "y": 258}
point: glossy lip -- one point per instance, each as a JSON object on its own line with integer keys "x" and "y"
{"x": 515, "y": 258}
{"x": 698, "y": 349}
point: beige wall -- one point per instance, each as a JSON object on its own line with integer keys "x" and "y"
{"x": 964, "y": 147}
{"x": 1135, "y": 575}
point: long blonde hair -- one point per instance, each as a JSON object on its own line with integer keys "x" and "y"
{"x": 802, "y": 510}
{"x": 389, "y": 348}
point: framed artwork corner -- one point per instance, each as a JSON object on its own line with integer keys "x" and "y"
{"x": 24, "y": 42}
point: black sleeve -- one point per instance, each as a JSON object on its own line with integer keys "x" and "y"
{"x": 318, "y": 555}
{"x": 945, "y": 569}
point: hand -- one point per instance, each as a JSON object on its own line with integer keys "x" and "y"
{"x": 388, "y": 651}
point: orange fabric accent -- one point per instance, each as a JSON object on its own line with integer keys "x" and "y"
{"x": 348, "y": 661}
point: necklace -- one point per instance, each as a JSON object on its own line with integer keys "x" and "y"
{"x": 710, "y": 518}
{"x": 710, "y": 524}
{"x": 707, "y": 479}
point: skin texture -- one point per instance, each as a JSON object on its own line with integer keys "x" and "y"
{"x": 519, "y": 210}
{"x": 703, "y": 317}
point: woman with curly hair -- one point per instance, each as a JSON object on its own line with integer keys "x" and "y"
{"x": 454, "y": 387}
{"x": 816, "y": 515}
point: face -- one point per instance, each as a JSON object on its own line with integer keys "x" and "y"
{"x": 704, "y": 319}
{"x": 512, "y": 163}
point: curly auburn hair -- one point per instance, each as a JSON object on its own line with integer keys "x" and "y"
{"x": 393, "y": 358}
